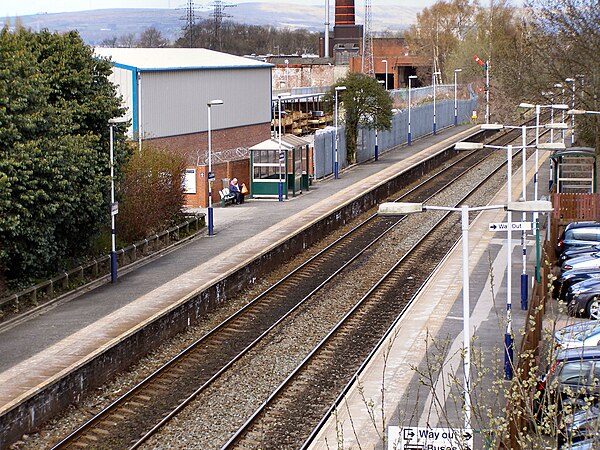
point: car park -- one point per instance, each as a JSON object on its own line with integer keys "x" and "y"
{"x": 588, "y": 261}
{"x": 572, "y": 379}
{"x": 578, "y": 234}
{"x": 582, "y": 425}
{"x": 577, "y": 251}
{"x": 583, "y": 299}
{"x": 568, "y": 278}
{"x": 588, "y": 444}
{"x": 581, "y": 334}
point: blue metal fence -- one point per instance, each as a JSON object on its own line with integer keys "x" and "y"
{"x": 421, "y": 118}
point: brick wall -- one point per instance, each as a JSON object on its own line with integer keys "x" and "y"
{"x": 239, "y": 169}
{"x": 194, "y": 146}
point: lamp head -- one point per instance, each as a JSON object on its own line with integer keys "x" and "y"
{"x": 551, "y": 146}
{"x": 575, "y": 112}
{"x": 340, "y": 88}
{"x": 412, "y": 77}
{"x": 468, "y": 146}
{"x": 117, "y": 120}
{"x": 557, "y": 126}
{"x": 492, "y": 126}
{"x": 457, "y": 70}
{"x": 569, "y": 80}
{"x": 214, "y": 102}
{"x": 526, "y": 105}
{"x": 399, "y": 209}
{"x": 541, "y": 206}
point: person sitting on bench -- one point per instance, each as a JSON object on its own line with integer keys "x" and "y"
{"x": 236, "y": 190}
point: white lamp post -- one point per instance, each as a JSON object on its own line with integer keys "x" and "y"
{"x": 377, "y": 134}
{"x": 281, "y": 155}
{"x": 287, "y": 73}
{"x": 409, "y": 208}
{"x": 524, "y": 146}
{"x": 114, "y": 206}
{"x": 435, "y": 74}
{"x": 335, "y": 163}
{"x": 410, "y": 77}
{"x": 572, "y": 80}
{"x": 562, "y": 99}
{"x": 537, "y": 138}
{"x": 211, "y": 176}
{"x": 386, "y": 73}
{"x": 508, "y": 354}
{"x": 456, "y": 71}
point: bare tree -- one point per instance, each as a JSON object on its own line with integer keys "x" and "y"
{"x": 152, "y": 38}
{"x": 127, "y": 40}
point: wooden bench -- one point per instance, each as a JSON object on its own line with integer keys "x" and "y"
{"x": 226, "y": 197}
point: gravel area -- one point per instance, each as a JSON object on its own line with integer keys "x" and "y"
{"x": 209, "y": 421}
{"x": 212, "y": 418}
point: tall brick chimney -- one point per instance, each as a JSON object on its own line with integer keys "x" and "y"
{"x": 344, "y": 12}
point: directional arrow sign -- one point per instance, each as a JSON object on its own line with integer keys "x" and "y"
{"x": 514, "y": 226}
{"x": 426, "y": 438}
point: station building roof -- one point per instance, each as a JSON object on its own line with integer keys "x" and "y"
{"x": 163, "y": 59}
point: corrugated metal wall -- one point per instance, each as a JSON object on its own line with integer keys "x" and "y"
{"x": 124, "y": 79}
{"x": 174, "y": 102}
{"x": 421, "y": 118}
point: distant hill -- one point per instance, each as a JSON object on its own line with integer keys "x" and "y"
{"x": 97, "y": 25}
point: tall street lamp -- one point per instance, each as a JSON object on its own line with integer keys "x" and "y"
{"x": 386, "y": 73}
{"x": 537, "y": 137}
{"x": 562, "y": 100}
{"x": 211, "y": 176}
{"x": 114, "y": 206}
{"x": 281, "y": 155}
{"x": 435, "y": 75}
{"x": 336, "y": 164}
{"x": 524, "y": 146}
{"x": 456, "y": 71}
{"x": 377, "y": 132}
{"x": 572, "y": 80}
{"x": 409, "y": 208}
{"x": 287, "y": 73}
{"x": 508, "y": 338}
{"x": 410, "y": 77}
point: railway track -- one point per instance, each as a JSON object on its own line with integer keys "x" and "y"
{"x": 124, "y": 424}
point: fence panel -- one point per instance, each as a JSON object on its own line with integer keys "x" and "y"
{"x": 421, "y": 125}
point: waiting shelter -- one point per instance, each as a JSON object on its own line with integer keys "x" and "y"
{"x": 574, "y": 170}
{"x": 268, "y": 167}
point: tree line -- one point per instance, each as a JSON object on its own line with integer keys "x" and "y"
{"x": 229, "y": 37}
{"x": 530, "y": 50}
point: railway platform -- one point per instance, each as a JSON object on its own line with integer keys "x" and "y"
{"x": 424, "y": 349}
{"x": 39, "y": 353}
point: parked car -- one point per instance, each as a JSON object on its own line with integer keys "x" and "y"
{"x": 588, "y": 444}
{"x": 588, "y": 261}
{"x": 578, "y": 234}
{"x": 581, "y": 334}
{"x": 569, "y": 278}
{"x": 577, "y": 251}
{"x": 583, "y": 299}
{"x": 581, "y": 426}
{"x": 572, "y": 379}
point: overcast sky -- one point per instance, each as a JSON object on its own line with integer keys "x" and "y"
{"x": 26, "y": 7}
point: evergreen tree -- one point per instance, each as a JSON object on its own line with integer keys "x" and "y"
{"x": 56, "y": 101}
